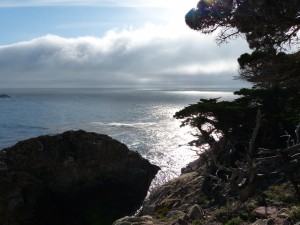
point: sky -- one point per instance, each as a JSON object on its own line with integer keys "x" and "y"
{"x": 110, "y": 43}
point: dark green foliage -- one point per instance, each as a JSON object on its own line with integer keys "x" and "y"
{"x": 229, "y": 215}
{"x": 198, "y": 222}
{"x": 235, "y": 120}
{"x": 268, "y": 26}
{"x": 246, "y": 210}
{"x": 294, "y": 213}
{"x": 250, "y": 136}
{"x": 209, "y": 14}
{"x": 234, "y": 221}
{"x": 225, "y": 131}
{"x": 267, "y": 68}
{"x": 236, "y": 214}
{"x": 263, "y": 22}
{"x": 212, "y": 117}
{"x": 281, "y": 193}
{"x": 161, "y": 212}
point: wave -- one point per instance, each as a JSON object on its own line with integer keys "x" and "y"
{"x": 127, "y": 125}
{"x": 22, "y": 126}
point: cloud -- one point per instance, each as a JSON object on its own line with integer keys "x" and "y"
{"x": 23, "y": 3}
{"x": 108, "y": 3}
{"x": 148, "y": 56}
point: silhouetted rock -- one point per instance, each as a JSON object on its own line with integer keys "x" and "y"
{"x": 4, "y": 96}
{"x": 71, "y": 178}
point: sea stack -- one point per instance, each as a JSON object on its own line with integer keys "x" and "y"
{"x": 4, "y": 96}
{"x": 76, "y": 177}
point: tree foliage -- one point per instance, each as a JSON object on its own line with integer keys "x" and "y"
{"x": 270, "y": 28}
{"x": 259, "y": 131}
{"x": 268, "y": 68}
{"x": 234, "y": 120}
{"x": 265, "y": 23}
{"x": 232, "y": 135}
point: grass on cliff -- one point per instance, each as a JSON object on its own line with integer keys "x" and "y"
{"x": 281, "y": 196}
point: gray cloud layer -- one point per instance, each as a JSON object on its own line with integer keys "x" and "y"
{"x": 145, "y": 57}
{"x": 111, "y": 3}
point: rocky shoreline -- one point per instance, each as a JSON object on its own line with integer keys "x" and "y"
{"x": 176, "y": 202}
{"x": 84, "y": 178}
{"x": 71, "y": 178}
{"x": 186, "y": 200}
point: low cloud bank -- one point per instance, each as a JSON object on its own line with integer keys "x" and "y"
{"x": 110, "y": 3}
{"x": 149, "y": 56}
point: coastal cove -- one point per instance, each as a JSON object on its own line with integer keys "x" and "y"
{"x": 141, "y": 119}
{"x": 139, "y": 112}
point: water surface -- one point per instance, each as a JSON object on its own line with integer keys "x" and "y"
{"x": 142, "y": 119}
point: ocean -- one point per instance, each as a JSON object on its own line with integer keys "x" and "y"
{"x": 141, "y": 119}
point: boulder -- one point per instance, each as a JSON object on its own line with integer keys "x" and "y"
{"x": 192, "y": 166}
{"x": 144, "y": 220}
{"x": 71, "y": 178}
{"x": 263, "y": 212}
{"x": 195, "y": 212}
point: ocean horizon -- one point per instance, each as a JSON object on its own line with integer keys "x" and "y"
{"x": 140, "y": 118}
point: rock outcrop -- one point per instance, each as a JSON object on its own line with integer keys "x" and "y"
{"x": 190, "y": 199}
{"x": 178, "y": 194}
{"x": 71, "y": 178}
{"x": 4, "y": 96}
{"x": 175, "y": 203}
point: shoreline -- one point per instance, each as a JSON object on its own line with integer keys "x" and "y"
{"x": 185, "y": 200}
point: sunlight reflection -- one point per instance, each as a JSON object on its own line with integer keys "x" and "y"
{"x": 171, "y": 151}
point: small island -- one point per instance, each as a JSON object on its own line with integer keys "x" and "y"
{"x": 4, "y": 96}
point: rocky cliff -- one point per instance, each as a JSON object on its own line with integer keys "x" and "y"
{"x": 71, "y": 178}
{"x": 190, "y": 200}
{"x": 178, "y": 202}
